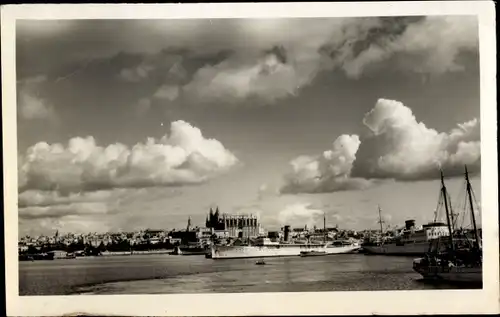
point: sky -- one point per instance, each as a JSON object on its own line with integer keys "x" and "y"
{"x": 135, "y": 124}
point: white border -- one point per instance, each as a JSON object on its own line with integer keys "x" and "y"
{"x": 378, "y": 302}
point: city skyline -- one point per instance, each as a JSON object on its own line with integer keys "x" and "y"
{"x": 140, "y": 124}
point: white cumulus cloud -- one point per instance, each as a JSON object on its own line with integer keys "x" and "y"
{"x": 183, "y": 157}
{"x": 401, "y": 147}
{"x": 397, "y": 146}
{"x": 299, "y": 214}
{"x": 327, "y": 172}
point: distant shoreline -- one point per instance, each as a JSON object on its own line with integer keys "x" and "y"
{"x": 115, "y": 253}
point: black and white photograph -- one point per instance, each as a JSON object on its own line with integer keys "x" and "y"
{"x": 249, "y": 155}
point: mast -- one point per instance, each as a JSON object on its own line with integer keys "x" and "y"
{"x": 473, "y": 217}
{"x": 443, "y": 190}
{"x": 380, "y": 221}
{"x": 324, "y": 227}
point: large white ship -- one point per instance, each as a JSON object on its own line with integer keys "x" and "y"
{"x": 411, "y": 241}
{"x": 266, "y": 248}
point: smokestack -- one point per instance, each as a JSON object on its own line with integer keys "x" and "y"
{"x": 287, "y": 233}
{"x": 410, "y": 224}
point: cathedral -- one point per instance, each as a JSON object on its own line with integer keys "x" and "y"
{"x": 237, "y": 226}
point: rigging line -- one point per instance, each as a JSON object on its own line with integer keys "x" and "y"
{"x": 439, "y": 204}
{"x": 474, "y": 196}
{"x": 452, "y": 215}
{"x": 463, "y": 219}
{"x": 464, "y": 206}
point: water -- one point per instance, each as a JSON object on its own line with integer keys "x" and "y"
{"x": 167, "y": 274}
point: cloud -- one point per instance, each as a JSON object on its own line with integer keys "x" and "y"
{"x": 397, "y": 146}
{"x": 136, "y": 74}
{"x": 183, "y": 157}
{"x": 67, "y": 224}
{"x": 49, "y": 211}
{"x": 428, "y": 44}
{"x": 327, "y": 172}
{"x": 291, "y": 62}
{"x": 267, "y": 191}
{"x": 30, "y": 105}
{"x": 60, "y": 211}
{"x": 38, "y": 198}
{"x": 270, "y": 58}
{"x": 33, "y": 80}
{"x": 168, "y": 92}
{"x": 400, "y": 147}
{"x": 154, "y": 64}
{"x": 267, "y": 77}
{"x": 299, "y": 214}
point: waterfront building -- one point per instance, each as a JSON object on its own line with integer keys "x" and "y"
{"x": 236, "y": 226}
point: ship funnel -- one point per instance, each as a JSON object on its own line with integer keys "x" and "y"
{"x": 410, "y": 224}
{"x": 287, "y": 233}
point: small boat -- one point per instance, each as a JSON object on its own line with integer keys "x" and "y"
{"x": 312, "y": 253}
{"x": 260, "y": 262}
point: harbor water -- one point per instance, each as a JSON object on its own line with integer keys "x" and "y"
{"x": 168, "y": 274}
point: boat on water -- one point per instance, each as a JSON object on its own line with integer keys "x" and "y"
{"x": 411, "y": 241}
{"x": 264, "y": 247}
{"x": 260, "y": 262}
{"x": 454, "y": 260}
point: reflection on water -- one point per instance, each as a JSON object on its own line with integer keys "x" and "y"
{"x": 163, "y": 274}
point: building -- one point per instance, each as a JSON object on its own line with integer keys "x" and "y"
{"x": 241, "y": 226}
{"x": 236, "y": 226}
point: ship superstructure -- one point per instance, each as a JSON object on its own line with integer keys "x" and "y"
{"x": 410, "y": 240}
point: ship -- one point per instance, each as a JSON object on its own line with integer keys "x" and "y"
{"x": 410, "y": 242}
{"x": 264, "y": 247}
{"x": 458, "y": 258}
{"x": 267, "y": 248}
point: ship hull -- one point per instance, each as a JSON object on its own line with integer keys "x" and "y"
{"x": 472, "y": 275}
{"x": 238, "y": 252}
{"x": 313, "y": 254}
{"x": 413, "y": 249}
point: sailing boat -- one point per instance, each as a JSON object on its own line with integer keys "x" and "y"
{"x": 375, "y": 247}
{"x": 459, "y": 261}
